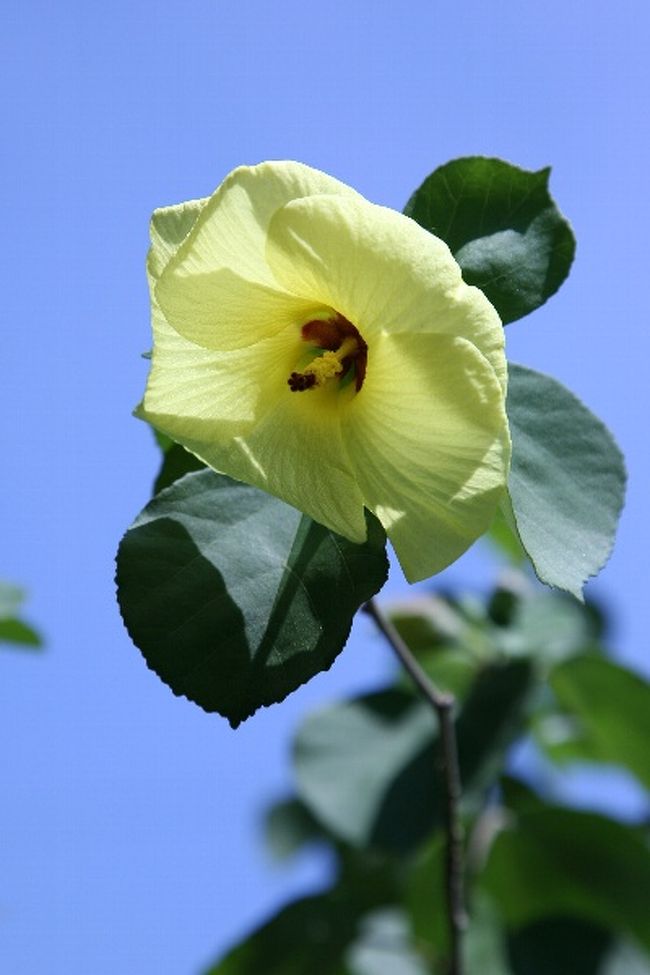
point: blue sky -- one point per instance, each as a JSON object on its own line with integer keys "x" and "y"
{"x": 129, "y": 823}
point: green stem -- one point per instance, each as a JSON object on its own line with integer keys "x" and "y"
{"x": 443, "y": 705}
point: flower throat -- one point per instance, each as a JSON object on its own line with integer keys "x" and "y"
{"x": 343, "y": 349}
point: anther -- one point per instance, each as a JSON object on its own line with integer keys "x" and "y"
{"x": 300, "y": 381}
{"x": 342, "y": 347}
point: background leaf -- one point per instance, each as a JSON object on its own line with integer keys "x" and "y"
{"x": 625, "y": 959}
{"x": 289, "y": 826}
{"x": 384, "y": 947}
{"x": 612, "y": 706}
{"x": 11, "y": 599}
{"x": 14, "y": 630}
{"x": 19, "y": 634}
{"x": 558, "y": 946}
{"x": 235, "y": 598}
{"x": 555, "y": 861}
{"x": 367, "y": 768}
{"x": 310, "y": 935}
{"x": 567, "y": 480}
{"x": 503, "y": 228}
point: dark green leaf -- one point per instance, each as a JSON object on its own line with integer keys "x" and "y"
{"x": 367, "y": 768}
{"x": 19, "y": 633}
{"x": 330, "y": 934}
{"x": 503, "y": 228}
{"x": 308, "y": 936}
{"x": 484, "y": 943}
{"x": 175, "y": 464}
{"x": 612, "y": 706}
{"x": 163, "y": 441}
{"x": 559, "y": 946}
{"x": 176, "y": 461}
{"x": 235, "y": 598}
{"x": 553, "y": 862}
{"x": 426, "y": 898}
{"x": 518, "y": 796}
{"x": 490, "y": 720}
{"x": 501, "y": 535}
{"x": 289, "y": 826}
{"x": 567, "y": 480}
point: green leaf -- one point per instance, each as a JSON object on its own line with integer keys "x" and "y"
{"x": 175, "y": 464}
{"x": 14, "y": 630}
{"x": 289, "y": 826}
{"x": 367, "y": 768}
{"x": 176, "y": 460}
{"x": 384, "y": 947}
{"x": 518, "y": 796}
{"x": 11, "y": 599}
{"x": 561, "y": 946}
{"x": 502, "y": 536}
{"x": 426, "y": 898}
{"x": 612, "y": 706}
{"x": 492, "y": 717}
{"x": 625, "y": 959}
{"x": 309, "y": 935}
{"x": 503, "y": 228}
{"x": 163, "y": 441}
{"x": 235, "y": 598}
{"x": 330, "y": 934}
{"x": 549, "y": 626}
{"x": 484, "y": 942}
{"x": 567, "y": 480}
{"x": 558, "y": 861}
{"x": 19, "y": 633}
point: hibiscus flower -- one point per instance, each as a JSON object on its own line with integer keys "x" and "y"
{"x": 327, "y": 350}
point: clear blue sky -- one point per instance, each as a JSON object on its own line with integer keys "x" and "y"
{"x": 128, "y": 823}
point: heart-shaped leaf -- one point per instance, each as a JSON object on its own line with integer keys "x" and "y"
{"x": 503, "y": 228}
{"x": 235, "y": 598}
{"x": 567, "y": 480}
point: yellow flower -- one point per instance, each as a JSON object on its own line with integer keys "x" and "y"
{"x": 327, "y": 350}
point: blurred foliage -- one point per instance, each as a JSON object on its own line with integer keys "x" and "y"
{"x": 551, "y": 890}
{"x": 13, "y": 628}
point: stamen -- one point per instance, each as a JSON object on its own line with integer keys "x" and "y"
{"x": 343, "y": 347}
{"x": 299, "y": 381}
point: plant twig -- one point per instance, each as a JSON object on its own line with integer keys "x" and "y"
{"x": 443, "y": 704}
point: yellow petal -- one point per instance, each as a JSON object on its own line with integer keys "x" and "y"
{"x": 168, "y": 229}
{"x": 235, "y": 411}
{"x": 221, "y": 310}
{"x": 216, "y": 288}
{"x": 429, "y": 441}
{"x": 380, "y": 270}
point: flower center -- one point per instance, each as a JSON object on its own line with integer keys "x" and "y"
{"x": 342, "y": 348}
